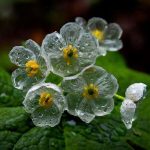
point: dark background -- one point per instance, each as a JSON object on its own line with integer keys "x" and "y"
{"x": 33, "y": 19}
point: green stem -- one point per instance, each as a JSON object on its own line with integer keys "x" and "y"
{"x": 59, "y": 84}
{"x": 119, "y": 97}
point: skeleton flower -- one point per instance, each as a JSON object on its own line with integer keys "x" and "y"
{"x": 71, "y": 51}
{"x": 107, "y": 35}
{"x": 134, "y": 93}
{"x": 46, "y": 104}
{"x": 90, "y": 94}
{"x": 32, "y": 66}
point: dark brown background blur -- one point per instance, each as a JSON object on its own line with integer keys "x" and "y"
{"x": 33, "y": 19}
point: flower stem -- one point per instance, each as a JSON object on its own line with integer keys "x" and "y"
{"x": 59, "y": 84}
{"x": 119, "y": 97}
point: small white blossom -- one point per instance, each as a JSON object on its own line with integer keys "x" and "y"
{"x": 90, "y": 94}
{"x": 70, "y": 51}
{"x": 136, "y": 91}
{"x": 127, "y": 111}
{"x": 46, "y": 104}
{"x": 107, "y": 35}
{"x": 32, "y": 66}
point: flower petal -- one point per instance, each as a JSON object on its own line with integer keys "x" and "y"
{"x": 85, "y": 112}
{"x": 46, "y": 117}
{"x": 107, "y": 85}
{"x": 74, "y": 85}
{"x": 19, "y": 78}
{"x": 127, "y": 111}
{"x": 70, "y": 32}
{"x": 53, "y": 44}
{"x": 22, "y": 81}
{"x": 113, "y": 31}
{"x": 112, "y": 45}
{"x": 73, "y": 100}
{"x": 96, "y": 23}
{"x": 136, "y": 91}
{"x": 33, "y": 46}
{"x": 60, "y": 67}
{"x": 20, "y": 55}
{"x": 92, "y": 74}
{"x": 80, "y": 21}
{"x": 87, "y": 47}
{"x": 102, "y": 106}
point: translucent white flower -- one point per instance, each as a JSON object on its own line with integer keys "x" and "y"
{"x": 90, "y": 94}
{"x": 70, "y": 51}
{"x": 107, "y": 35}
{"x": 136, "y": 91}
{"x": 32, "y": 66}
{"x": 46, "y": 104}
{"x": 127, "y": 111}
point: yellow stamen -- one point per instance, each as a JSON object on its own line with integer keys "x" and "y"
{"x": 70, "y": 52}
{"x": 32, "y": 68}
{"x": 45, "y": 100}
{"x": 98, "y": 34}
{"x": 90, "y": 91}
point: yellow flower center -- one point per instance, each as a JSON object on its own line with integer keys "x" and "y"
{"x": 45, "y": 100}
{"x": 90, "y": 91}
{"x": 32, "y": 68}
{"x": 70, "y": 52}
{"x": 98, "y": 34}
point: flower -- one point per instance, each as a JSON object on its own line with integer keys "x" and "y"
{"x": 107, "y": 35}
{"x": 133, "y": 94}
{"x": 32, "y": 66}
{"x": 136, "y": 91}
{"x": 46, "y": 104}
{"x": 127, "y": 111}
{"x": 71, "y": 51}
{"x": 90, "y": 94}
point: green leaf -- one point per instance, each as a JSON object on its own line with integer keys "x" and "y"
{"x": 14, "y": 121}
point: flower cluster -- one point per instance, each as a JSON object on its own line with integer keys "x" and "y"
{"x": 86, "y": 90}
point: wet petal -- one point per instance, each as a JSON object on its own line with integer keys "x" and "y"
{"x": 107, "y": 85}
{"x": 112, "y": 45}
{"x": 113, "y": 31}
{"x": 73, "y": 100}
{"x": 80, "y": 21}
{"x": 96, "y": 23}
{"x": 53, "y": 44}
{"x": 44, "y": 68}
{"x": 136, "y": 91}
{"x": 33, "y": 46}
{"x": 20, "y": 55}
{"x": 60, "y": 67}
{"x": 127, "y": 111}
{"x": 71, "y": 32}
{"x": 87, "y": 47}
{"x": 46, "y": 117}
{"x": 102, "y": 106}
{"x": 92, "y": 74}
{"x": 22, "y": 81}
{"x": 85, "y": 112}
{"x": 19, "y": 78}
{"x": 74, "y": 85}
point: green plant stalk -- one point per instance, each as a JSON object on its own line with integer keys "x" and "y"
{"x": 119, "y": 97}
